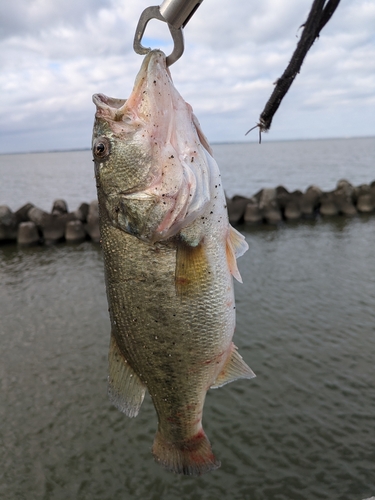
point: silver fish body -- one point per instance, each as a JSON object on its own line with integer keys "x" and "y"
{"x": 169, "y": 256}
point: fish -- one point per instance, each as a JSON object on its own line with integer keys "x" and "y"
{"x": 169, "y": 258}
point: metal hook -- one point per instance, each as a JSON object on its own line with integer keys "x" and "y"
{"x": 177, "y": 35}
{"x": 176, "y": 13}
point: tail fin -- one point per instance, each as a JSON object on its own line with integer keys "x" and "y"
{"x": 192, "y": 457}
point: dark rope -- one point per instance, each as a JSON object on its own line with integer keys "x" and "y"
{"x": 318, "y": 17}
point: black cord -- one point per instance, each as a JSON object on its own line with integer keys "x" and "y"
{"x": 318, "y": 17}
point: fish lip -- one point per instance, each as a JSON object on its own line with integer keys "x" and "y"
{"x": 153, "y": 58}
{"x": 126, "y": 116}
{"x": 101, "y": 100}
{"x": 111, "y": 109}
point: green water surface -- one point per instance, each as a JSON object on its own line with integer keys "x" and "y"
{"x": 304, "y": 429}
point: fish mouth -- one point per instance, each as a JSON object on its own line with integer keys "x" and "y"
{"x": 109, "y": 108}
{"x": 154, "y": 99}
{"x": 153, "y": 66}
{"x": 103, "y": 100}
{"x": 153, "y": 93}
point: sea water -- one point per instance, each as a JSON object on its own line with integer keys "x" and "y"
{"x": 246, "y": 168}
{"x": 303, "y": 429}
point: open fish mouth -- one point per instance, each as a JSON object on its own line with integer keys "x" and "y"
{"x": 102, "y": 100}
{"x": 148, "y": 95}
{"x": 109, "y": 108}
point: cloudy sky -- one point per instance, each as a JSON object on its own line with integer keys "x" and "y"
{"x": 55, "y": 54}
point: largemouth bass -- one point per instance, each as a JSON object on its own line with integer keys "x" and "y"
{"x": 169, "y": 256}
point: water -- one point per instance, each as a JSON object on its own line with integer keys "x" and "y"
{"x": 295, "y": 164}
{"x": 40, "y": 178}
{"x": 303, "y": 429}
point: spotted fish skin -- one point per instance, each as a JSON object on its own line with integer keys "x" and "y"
{"x": 169, "y": 257}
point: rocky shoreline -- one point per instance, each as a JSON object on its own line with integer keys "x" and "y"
{"x": 30, "y": 225}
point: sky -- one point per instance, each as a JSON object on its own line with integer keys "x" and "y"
{"x": 55, "y": 54}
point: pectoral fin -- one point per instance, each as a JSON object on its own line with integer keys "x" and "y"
{"x": 191, "y": 268}
{"x": 236, "y": 247}
{"x": 125, "y": 389}
{"x": 234, "y": 368}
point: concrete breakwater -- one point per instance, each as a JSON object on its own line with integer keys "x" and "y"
{"x": 273, "y": 205}
{"x": 30, "y": 225}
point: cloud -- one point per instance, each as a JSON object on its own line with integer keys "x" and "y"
{"x": 55, "y": 55}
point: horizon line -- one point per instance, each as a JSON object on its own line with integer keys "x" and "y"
{"x": 213, "y": 143}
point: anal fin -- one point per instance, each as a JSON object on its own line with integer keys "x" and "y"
{"x": 125, "y": 389}
{"x": 234, "y": 369}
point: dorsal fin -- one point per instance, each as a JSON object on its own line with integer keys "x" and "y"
{"x": 125, "y": 389}
{"x": 234, "y": 368}
{"x": 235, "y": 247}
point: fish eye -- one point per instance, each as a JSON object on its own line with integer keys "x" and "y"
{"x": 101, "y": 147}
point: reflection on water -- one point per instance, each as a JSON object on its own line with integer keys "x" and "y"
{"x": 303, "y": 429}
